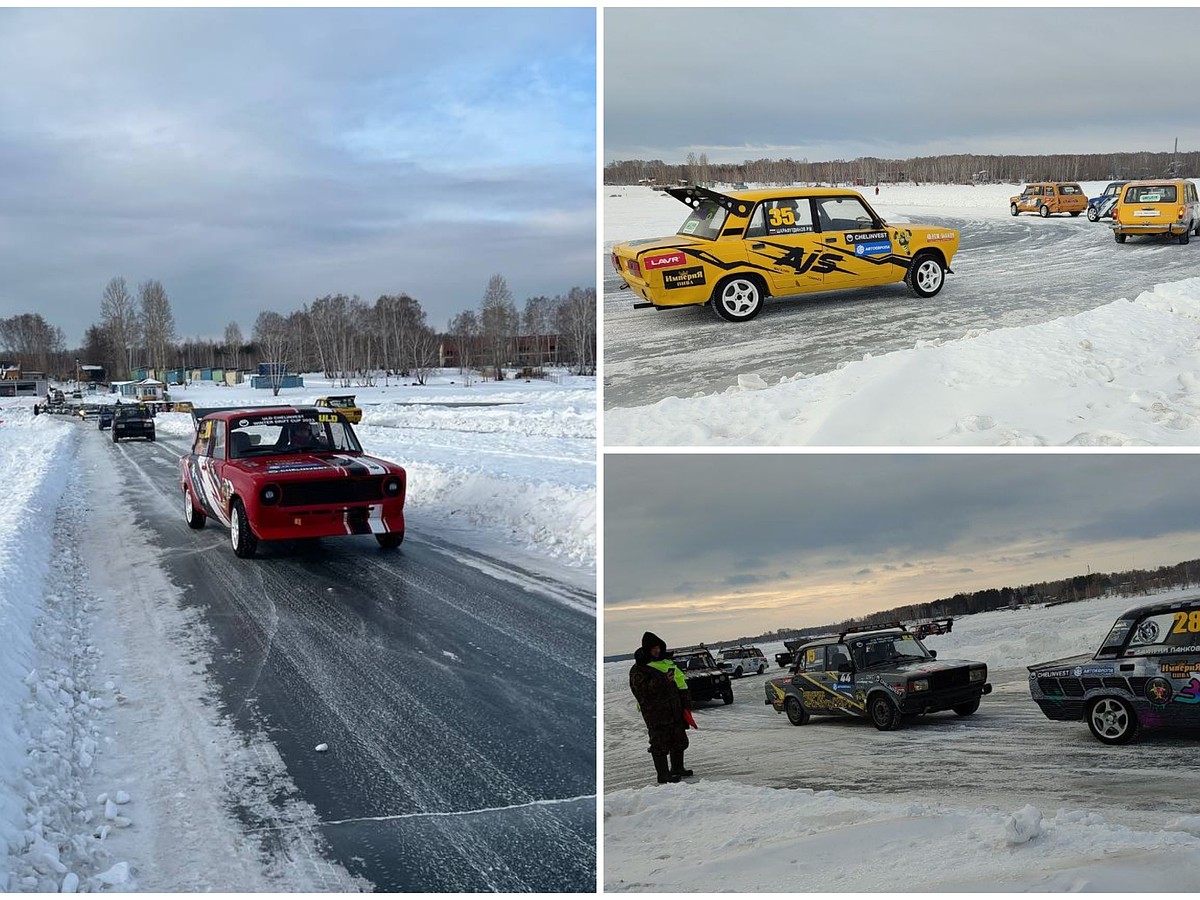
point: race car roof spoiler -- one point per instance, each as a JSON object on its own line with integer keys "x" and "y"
{"x": 877, "y": 626}
{"x": 693, "y": 196}
{"x": 198, "y": 414}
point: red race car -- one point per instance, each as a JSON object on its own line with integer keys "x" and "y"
{"x": 276, "y": 473}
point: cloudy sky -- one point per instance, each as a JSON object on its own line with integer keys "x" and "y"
{"x": 255, "y": 159}
{"x": 829, "y": 84}
{"x": 712, "y": 547}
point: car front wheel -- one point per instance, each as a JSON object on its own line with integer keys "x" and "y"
{"x": 391, "y": 540}
{"x": 737, "y": 673}
{"x": 926, "y": 275}
{"x": 1093, "y": 214}
{"x": 883, "y": 713}
{"x": 727, "y": 697}
{"x": 737, "y": 299}
{"x": 240, "y": 536}
{"x": 796, "y": 712}
{"x": 1112, "y": 720}
{"x": 967, "y": 709}
{"x": 1012, "y": 208}
{"x": 191, "y": 515}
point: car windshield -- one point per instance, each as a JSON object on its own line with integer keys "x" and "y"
{"x": 290, "y": 433}
{"x": 688, "y": 661}
{"x": 881, "y": 649}
{"x": 704, "y": 222}
{"x": 341, "y": 402}
{"x": 1113, "y": 188}
{"x": 1151, "y": 193}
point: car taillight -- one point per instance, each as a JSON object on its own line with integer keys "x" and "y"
{"x": 634, "y": 269}
{"x": 1115, "y": 217}
{"x": 616, "y": 261}
{"x": 1182, "y": 210}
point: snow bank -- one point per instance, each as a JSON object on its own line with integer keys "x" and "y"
{"x": 34, "y": 708}
{"x": 1122, "y": 374}
{"x": 764, "y": 839}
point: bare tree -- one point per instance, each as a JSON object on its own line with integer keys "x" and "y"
{"x": 233, "y": 345}
{"x": 498, "y": 319}
{"x": 119, "y": 319}
{"x": 577, "y": 323}
{"x": 32, "y": 340}
{"x": 272, "y": 335}
{"x": 465, "y": 330}
{"x": 158, "y": 324}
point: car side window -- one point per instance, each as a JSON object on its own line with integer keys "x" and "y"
{"x": 791, "y": 215}
{"x": 813, "y": 660}
{"x": 1164, "y": 633}
{"x": 218, "y": 442}
{"x": 203, "y": 438}
{"x": 839, "y": 655}
{"x": 844, "y": 214}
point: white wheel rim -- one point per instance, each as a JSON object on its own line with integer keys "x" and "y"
{"x": 234, "y": 526}
{"x": 1110, "y": 718}
{"x": 929, "y": 275}
{"x": 187, "y": 506}
{"x": 739, "y": 297}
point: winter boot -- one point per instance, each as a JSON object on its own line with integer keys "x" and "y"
{"x": 677, "y": 768}
{"x": 664, "y": 772}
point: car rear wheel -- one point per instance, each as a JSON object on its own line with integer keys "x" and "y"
{"x": 727, "y": 697}
{"x": 1120, "y": 238}
{"x": 1012, "y": 208}
{"x": 1075, "y": 213}
{"x": 1044, "y": 211}
{"x": 926, "y": 275}
{"x": 240, "y": 536}
{"x": 1093, "y": 214}
{"x": 738, "y": 298}
{"x": 191, "y": 515}
{"x": 1186, "y": 236}
{"x": 391, "y": 540}
{"x": 1196, "y": 230}
{"x": 1112, "y": 720}
{"x": 883, "y": 713}
{"x": 116, "y": 438}
{"x": 796, "y": 712}
{"x": 967, "y": 709}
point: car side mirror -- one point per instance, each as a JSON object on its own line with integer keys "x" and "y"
{"x": 933, "y": 654}
{"x": 845, "y": 667}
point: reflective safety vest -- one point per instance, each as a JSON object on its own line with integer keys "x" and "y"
{"x": 667, "y": 667}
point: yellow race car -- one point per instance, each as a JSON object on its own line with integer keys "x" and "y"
{"x": 344, "y": 404}
{"x": 737, "y": 249}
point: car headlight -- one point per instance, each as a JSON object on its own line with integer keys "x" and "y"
{"x": 724, "y": 678}
{"x": 921, "y": 685}
{"x": 269, "y": 494}
{"x": 978, "y": 674}
{"x": 392, "y": 486}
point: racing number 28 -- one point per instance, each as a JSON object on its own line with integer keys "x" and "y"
{"x": 1186, "y": 622}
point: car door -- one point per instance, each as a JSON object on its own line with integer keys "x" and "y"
{"x": 781, "y": 239}
{"x": 857, "y": 246}
{"x": 1030, "y": 198}
{"x": 208, "y": 461}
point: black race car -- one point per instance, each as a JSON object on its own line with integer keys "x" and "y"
{"x": 134, "y": 421}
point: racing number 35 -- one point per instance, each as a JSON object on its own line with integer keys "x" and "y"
{"x": 781, "y": 215}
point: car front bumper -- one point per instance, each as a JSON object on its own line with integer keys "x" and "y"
{"x": 922, "y": 702}
{"x": 273, "y": 523}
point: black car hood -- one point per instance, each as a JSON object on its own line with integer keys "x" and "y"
{"x": 1065, "y": 663}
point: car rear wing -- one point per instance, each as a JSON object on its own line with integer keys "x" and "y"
{"x": 937, "y": 626}
{"x": 198, "y": 414}
{"x": 693, "y": 196}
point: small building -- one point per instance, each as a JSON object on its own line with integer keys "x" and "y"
{"x": 267, "y": 381}
{"x": 92, "y": 374}
{"x": 24, "y": 387}
{"x": 149, "y": 389}
{"x": 234, "y": 376}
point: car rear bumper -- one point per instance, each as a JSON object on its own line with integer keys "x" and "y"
{"x": 1151, "y": 228}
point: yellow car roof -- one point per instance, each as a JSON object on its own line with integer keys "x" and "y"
{"x": 776, "y": 193}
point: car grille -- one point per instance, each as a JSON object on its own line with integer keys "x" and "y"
{"x": 329, "y": 491}
{"x": 944, "y": 681}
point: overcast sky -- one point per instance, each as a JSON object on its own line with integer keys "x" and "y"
{"x": 713, "y": 547}
{"x": 255, "y": 159}
{"x": 829, "y": 84}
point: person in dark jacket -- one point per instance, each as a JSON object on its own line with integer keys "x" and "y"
{"x": 662, "y": 696}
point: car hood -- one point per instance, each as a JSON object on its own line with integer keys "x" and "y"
{"x": 1065, "y": 663}
{"x": 923, "y": 666}
{"x": 631, "y": 249}
{"x": 303, "y": 465}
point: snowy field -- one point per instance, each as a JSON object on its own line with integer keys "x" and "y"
{"x": 115, "y": 770}
{"x": 1048, "y": 333}
{"x": 1004, "y": 800}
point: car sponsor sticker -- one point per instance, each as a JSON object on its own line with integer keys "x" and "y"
{"x": 1158, "y": 691}
{"x": 665, "y": 260}
{"x": 297, "y": 467}
{"x": 1189, "y": 694}
{"x": 873, "y": 248}
{"x": 865, "y": 237}
{"x": 940, "y": 236}
{"x": 1080, "y": 671}
{"x": 673, "y": 279}
{"x": 1183, "y": 669}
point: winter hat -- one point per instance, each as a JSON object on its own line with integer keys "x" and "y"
{"x": 650, "y": 640}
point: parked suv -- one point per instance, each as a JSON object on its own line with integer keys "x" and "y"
{"x": 737, "y": 661}
{"x": 883, "y": 673}
{"x": 1145, "y": 674}
{"x": 705, "y": 680}
{"x": 1168, "y": 208}
{"x": 1048, "y": 197}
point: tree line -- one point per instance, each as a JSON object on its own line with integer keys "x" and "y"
{"x": 962, "y": 168}
{"x": 1131, "y": 582}
{"x": 343, "y": 336}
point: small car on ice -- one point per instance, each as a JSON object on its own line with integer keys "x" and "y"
{"x": 1145, "y": 674}
{"x": 1169, "y": 208}
{"x": 345, "y": 405}
{"x": 1049, "y": 197}
{"x": 882, "y": 673}
{"x": 279, "y": 473}
{"x": 735, "y": 250}
{"x": 1101, "y": 207}
{"x": 739, "y": 661}
{"x": 705, "y": 680}
{"x": 132, "y": 421}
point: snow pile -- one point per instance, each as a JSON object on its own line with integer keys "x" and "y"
{"x": 828, "y": 842}
{"x": 1122, "y": 374}
{"x": 48, "y": 716}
